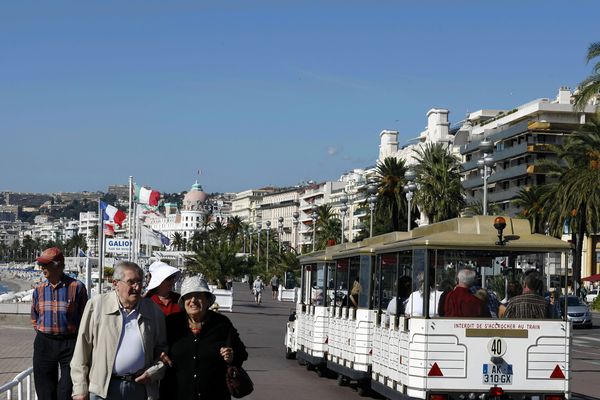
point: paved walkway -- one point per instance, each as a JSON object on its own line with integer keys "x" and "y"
{"x": 16, "y": 345}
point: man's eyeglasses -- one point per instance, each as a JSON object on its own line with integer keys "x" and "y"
{"x": 49, "y": 264}
{"x": 132, "y": 283}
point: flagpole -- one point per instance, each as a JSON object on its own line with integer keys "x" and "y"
{"x": 100, "y": 247}
{"x": 131, "y": 211}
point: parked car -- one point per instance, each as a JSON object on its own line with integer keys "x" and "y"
{"x": 577, "y": 311}
{"x": 591, "y": 295}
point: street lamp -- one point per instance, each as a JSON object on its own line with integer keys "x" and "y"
{"x": 296, "y": 215}
{"x": 258, "y": 229}
{"x": 372, "y": 199}
{"x": 343, "y": 210}
{"x": 268, "y": 223}
{"x": 280, "y": 230}
{"x": 409, "y": 188}
{"x": 485, "y": 164}
{"x": 314, "y": 217}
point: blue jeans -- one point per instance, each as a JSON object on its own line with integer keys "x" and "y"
{"x": 123, "y": 390}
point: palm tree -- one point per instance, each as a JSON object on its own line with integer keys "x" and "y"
{"x": 234, "y": 227}
{"x": 215, "y": 261}
{"x": 328, "y": 226}
{"x": 590, "y": 86}
{"x": 476, "y": 208}
{"x": 529, "y": 199}
{"x": 440, "y": 195}
{"x": 177, "y": 241}
{"x": 574, "y": 196}
{"x": 391, "y": 204}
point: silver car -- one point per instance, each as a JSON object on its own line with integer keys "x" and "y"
{"x": 577, "y": 311}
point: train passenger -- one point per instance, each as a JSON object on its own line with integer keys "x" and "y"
{"x": 414, "y": 304}
{"x": 461, "y": 302}
{"x": 445, "y": 287}
{"x": 355, "y": 292}
{"x": 529, "y": 305}
{"x": 513, "y": 289}
{"x": 397, "y": 305}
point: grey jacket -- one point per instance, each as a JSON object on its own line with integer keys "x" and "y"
{"x": 98, "y": 338}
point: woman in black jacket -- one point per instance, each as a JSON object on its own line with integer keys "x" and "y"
{"x": 201, "y": 345}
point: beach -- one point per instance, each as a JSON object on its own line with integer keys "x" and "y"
{"x": 14, "y": 285}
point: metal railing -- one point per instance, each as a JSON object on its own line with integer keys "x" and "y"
{"x": 20, "y": 388}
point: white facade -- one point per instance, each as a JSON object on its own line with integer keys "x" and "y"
{"x": 280, "y": 204}
{"x": 185, "y": 222}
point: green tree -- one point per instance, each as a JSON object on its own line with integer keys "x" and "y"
{"x": 590, "y": 86}
{"x": 215, "y": 261}
{"x": 530, "y": 200}
{"x": 234, "y": 227}
{"x": 440, "y": 194}
{"x": 177, "y": 241}
{"x": 574, "y": 196}
{"x": 391, "y": 203}
{"x": 328, "y": 226}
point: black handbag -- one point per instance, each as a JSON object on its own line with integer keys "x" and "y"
{"x": 237, "y": 379}
{"x": 238, "y": 382}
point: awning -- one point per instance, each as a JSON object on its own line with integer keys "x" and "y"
{"x": 592, "y": 278}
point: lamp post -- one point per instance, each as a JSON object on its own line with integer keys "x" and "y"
{"x": 296, "y": 215}
{"x": 343, "y": 211}
{"x": 280, "y": 230}
{"x": 258, "y": 229}
{"x": 485, "y": 164}
{"x": 409, "y": 188}
{"x": 268, "y": 223}
{"x": 372, "y": 199}
{"x": 314, "y": 217}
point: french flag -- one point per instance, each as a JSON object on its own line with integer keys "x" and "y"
{"x": 112, "y": 214}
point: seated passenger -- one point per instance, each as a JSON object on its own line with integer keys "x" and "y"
{"x": 355, "y": 292}
{"x": 513, "y": 289}
{"x": 397, "y": 305}
{"x": 415, "y": 304}
{"x": 529, "y": 305}
{"x": 460, "y": 302}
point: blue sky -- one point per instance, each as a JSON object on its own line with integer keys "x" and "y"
{"x": 258, "y": 93}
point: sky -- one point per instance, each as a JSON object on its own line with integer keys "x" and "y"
{"x": 258, "y": 93}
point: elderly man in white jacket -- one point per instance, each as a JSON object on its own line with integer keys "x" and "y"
{"x": 121, "y": 340}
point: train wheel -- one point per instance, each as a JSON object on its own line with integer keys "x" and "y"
{"x": 310, "y": 367}
{"x": 321, "y": 372}
{"x": 289, "y": 354}
{"x": 341, "y": 381}
{"x": 363, "y": 389}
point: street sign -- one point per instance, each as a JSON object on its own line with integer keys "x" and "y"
{"x": 118, "y": 246}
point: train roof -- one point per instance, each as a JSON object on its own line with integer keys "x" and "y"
{"x": 467, "y": 233}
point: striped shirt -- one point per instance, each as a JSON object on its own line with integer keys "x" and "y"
{"x": 57, "y": 310}
{"x": 528, "y": 306}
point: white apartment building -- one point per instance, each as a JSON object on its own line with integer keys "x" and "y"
{"x": 245, "y": 204}
{"x": 315, "y": 194}
{"x": 281, "y": 204}
{"x": 88, "y": 223}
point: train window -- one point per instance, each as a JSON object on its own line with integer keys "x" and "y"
{"x": 331, "y": 292}
{"x": 341, "y": 283}
{"x": 386, "y": 281}
{"x": 365, "y": 274}
{"x": 317, "y": 285}
{"x": 415, "y": 307}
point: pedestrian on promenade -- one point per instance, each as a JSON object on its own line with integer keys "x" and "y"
{"x": 274, "y": 286}
{"x": 529, "y": 305}
{"x": 56, "y": 309}
{"x": 460, "y": 302}
{"x": 258, "y": 287}
{"x": 201, "y": 345}
{"x": 120, "y": 342}
{"x": 160, "y": 288}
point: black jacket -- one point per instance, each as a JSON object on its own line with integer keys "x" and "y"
{"x": 199, "y": 370}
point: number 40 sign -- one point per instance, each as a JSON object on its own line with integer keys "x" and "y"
{"x": 496, "y": 347}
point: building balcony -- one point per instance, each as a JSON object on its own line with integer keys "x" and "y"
{"x": 499, "y": 156}
{"x": 499, "y": 175}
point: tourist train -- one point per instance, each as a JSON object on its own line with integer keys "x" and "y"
{"x": 416, "y": 354}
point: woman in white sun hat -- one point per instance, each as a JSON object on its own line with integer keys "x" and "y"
{"x": 160, "y": 288}
{"x": 202, "y": 343}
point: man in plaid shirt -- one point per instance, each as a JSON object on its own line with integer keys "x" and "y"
{"x": 56, "y": 309}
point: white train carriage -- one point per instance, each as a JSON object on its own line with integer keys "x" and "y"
{"x": 394, "y": 335}
{"x": 311, "y": 323}
{"x": 419, "y": 355}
